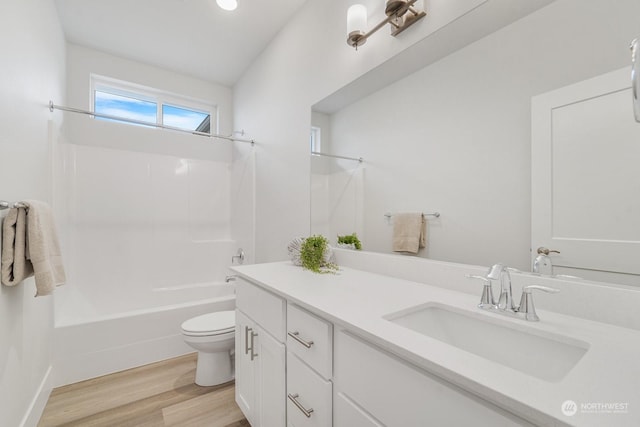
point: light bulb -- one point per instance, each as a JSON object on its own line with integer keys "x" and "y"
{"x": 356, "y": 18}
{"x": 227, "y": 4}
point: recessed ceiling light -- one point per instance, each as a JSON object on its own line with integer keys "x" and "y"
{"x": 227, "y": 4}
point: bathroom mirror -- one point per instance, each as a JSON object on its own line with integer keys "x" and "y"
{"x": 455, "y": 137}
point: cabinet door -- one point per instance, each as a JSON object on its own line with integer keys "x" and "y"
{"x": 245, "y": 368}
{"x": 270, "y": 380}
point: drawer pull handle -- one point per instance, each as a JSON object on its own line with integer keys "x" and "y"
{"x": 253, "y": 355}
{"x": 295, "y": 336}
{"x": 246, "y": 339}
{"x": 294, "y": 399}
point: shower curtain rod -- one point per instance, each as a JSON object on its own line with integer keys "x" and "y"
{"x": 357, "y": 159}
{"x": 53, "y": 106}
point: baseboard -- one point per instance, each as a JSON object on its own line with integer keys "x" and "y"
{"x": 84, "y": 366}
{"x": 34, "y": 412}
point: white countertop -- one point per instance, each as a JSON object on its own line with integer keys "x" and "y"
{"x": 356, "y": 300}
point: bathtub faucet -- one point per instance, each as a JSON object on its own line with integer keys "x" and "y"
{"x": 231, "y": 278}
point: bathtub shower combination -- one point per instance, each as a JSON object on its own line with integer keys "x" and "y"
{"x": 147, "y": 244}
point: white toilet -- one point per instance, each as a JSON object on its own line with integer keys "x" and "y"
{"x": 213, "y": 335}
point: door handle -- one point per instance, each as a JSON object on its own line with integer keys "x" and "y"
{"x": 544, "y": 251}
{"x": 294, "y": 399}
{"x": 296, "y": 336}
{"x": 246, "y": 339}
{"x": 253, "y": 355}
{"x": 635, "y": 69}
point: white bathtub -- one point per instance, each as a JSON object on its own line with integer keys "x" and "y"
{"x": 89, "y": 342}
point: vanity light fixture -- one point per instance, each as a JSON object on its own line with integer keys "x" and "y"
{"x": 401, "y": 14}
{"x": 227, "y": 4}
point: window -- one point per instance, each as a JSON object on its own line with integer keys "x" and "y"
{"x": 184, "y": 118}
{"x": 316, "y": 139}
{"x": 127, "y": 107}
{"x": 139, "y": 105}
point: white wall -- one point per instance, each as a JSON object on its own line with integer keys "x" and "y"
{"x": 337, "y": 197}
{"x": 466, "y": 120}
{"x": 308, "y": 60}
{"x": 454, "y": 137}
{"x": 144, "y": 209}
{"x": 82, "y": 62}
{"x": 142, "y": 225}
{"x": 32, "y": 73}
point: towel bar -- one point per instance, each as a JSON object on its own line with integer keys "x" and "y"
{"x": 436, "y": 214}
{"x": 6, "y": 205}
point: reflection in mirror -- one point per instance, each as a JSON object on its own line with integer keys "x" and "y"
{"x": 455, "y": 137}
{"x": 336, "y": 186}
{"x": 337, "y": 197}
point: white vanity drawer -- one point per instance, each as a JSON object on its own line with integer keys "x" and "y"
{"x": 265, "y": 308}
{"x": 346, "y": 413}
{"x": 308, "y": 396}
{"x": 398, "y": 394}
{"x": 311, "y": 338}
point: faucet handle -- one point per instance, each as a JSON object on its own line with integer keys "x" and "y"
{"x": 239, "y": 256}
{"x": 546, "y": 289}
{"x": 473, "y": 276}
{"x": 526, "y": 302}
{"x": 486, "y": 300}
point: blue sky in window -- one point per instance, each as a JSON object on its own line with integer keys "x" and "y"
{"x": 145, "y": 111}
{"x": 182, "y": 118}
{"x": 125, "y": 107}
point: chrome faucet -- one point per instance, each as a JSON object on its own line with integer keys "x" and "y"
{"x": 505, "y": 300}
{"x": 230, "y": 278}
{"x": 487, "y": 301}
{"x": 505, "y": 305}
{"x": 527, "y": 309}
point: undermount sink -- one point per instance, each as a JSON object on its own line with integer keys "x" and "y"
{"x": 541, "y": 354}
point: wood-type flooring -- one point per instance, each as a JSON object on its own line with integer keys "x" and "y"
{"x": 156, "y": 395}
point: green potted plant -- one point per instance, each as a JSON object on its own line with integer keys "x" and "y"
{"x": 315, "y": 254}
{"x": 349, "y": 241}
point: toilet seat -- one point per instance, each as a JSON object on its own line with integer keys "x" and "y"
{"x": 211, "y": 324}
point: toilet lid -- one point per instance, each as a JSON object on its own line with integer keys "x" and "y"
{"x": 220, "y": 322}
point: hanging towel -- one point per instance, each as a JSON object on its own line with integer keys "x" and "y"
{"x": 15, "y": 265}
{"x": 43, "y": 249}
{"x": 36, "y": 244}
{"x": 409, "y": 232}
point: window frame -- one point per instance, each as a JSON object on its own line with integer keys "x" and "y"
{"x": 315, "y": 139}
{"x": 149, "y": 94}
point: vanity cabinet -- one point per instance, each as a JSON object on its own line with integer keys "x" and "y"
{"x": 375, "y": 388}
{"x": 260, "y": 355}
{"x": 309, "y": 369}
{"x": 296, "y": 369}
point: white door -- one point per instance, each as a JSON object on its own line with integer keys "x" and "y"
{"x": 245, "y": 367}
{"x": 270, "y": 359}
{"x": 585, "y": 175}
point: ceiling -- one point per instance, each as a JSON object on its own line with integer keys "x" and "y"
{"x": 193, "y": 37}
